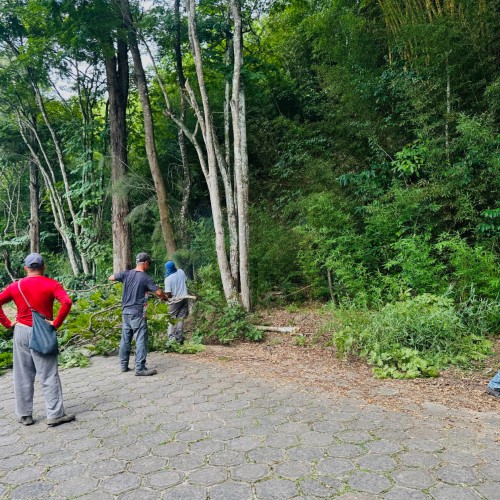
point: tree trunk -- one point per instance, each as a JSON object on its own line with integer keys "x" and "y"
{"x": 34, "y": 223}
{"x": 186, "y": 184}
{"x": 206, "y": 125}
{"x": 142, "y": 87}
{"x": 238, "y": 111}
{"x": 117, "y": 73}
{"x": 56, "y": 203}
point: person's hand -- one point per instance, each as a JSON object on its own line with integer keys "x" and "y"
{"x": 14, "y": 323}
{"x": 50, "y": 322}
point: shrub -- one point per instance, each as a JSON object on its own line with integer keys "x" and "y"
{"x": 411, "y": 338}
{"x": 214, "y": 319}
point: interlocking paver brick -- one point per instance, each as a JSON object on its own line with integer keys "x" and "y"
{"x": 453, "y": 474}
{"x": 400, "y": 493}
{"x": 187, "y": 462}
{"x": 185, "y": 492}
{"x": 491, "y": 491}
{"x": 32, "y": 490}
{"x": 369, "y": 483}
{"x": 276, "y": 489}
{"x": 328, "y": 426}
{"x": 250, "y": 472}
{"x": 145, "y": 465}
{"x": 23, "y": 475}
{"x": 170, "y": 449}
{"x": 419, "y": 459}
{"x": 244, "y": 443}
{"x": 316, "y": 489}
{"x": 384, "y": 446}
{"x": 413, "y": 478}
{"x": 448, "y": 492}
{"x": 231, "y": 491}
{"x": 207, "y": 446}
{"x": 355, "y": 437}
{"x": 164, "y": 479}
{"x": 76, "y": 486}
{"x": 227, "y": 457}
{"x": 293, "y": 469}
{"x": 335, "y": 466}
{"x": 346, "y": 451}
{"x": 423, "y": 445}
{"x": 17, "y": 461}
{"x": 306, "y": 453}
{"x": 266, "y": 455}
{"x": 208, "y": 475}
{"x": 281, "y": 440}
{"x": 106, "y": 468}
{"x": 125, "y": 452}
{"x": 142, "y": 493}
{"x": 376, "y": 463}
{"x": 459, "y": 458}
{"x": 65, "y": 472}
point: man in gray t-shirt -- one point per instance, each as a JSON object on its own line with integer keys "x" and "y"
{"x": 178, "y": 308}
{"x": 137, "y": 284}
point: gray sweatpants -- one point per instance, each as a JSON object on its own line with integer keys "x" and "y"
{"x": 28, "y": 364}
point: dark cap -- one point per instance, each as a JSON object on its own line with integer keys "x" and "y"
{"x": 33, "y": 261}
{"x": 143, "y": 257}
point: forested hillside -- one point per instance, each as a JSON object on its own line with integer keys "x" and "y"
{"x": 342, "y": 151}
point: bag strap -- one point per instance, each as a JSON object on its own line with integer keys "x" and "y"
{"x": 24, "y": 297}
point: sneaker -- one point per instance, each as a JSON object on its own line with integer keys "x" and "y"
{"x": 125, "y": 369}
{"x": 146, "y": 373}
{"x": 60, "y": 420}
{"x": 27, "y": 420}
{"x": 494, "y": 392}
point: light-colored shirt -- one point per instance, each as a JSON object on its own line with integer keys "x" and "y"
{"x": 176, "y": 284}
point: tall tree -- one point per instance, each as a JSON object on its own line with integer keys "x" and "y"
{"x": 117, "y": 74}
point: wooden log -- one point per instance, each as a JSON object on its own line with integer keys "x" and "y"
{"x": 279, "y": 329}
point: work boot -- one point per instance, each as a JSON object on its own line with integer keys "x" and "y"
{"x": 60, "y": 420}
{"x": 146, "y": 372}
{"x": 125, "y": 369}
{"x": 27, "y": 420}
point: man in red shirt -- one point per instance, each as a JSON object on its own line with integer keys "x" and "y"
{"x": 40, "y": 292}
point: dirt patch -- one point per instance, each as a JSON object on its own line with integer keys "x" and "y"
{"x": 304, "y": 359}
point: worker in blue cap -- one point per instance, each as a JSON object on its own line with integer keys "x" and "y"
{"x": 176, "y": 291}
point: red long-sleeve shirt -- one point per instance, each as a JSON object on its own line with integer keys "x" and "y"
{"x": 40, "y": 292}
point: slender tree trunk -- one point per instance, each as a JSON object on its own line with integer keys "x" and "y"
{"x": 54, "y": 197}
{"x": 142, "y": 87}
{"x": 117, "y": 73}
{"x": 34, "y": 209}
{"x": 448, "y": 110}
{"x": 225, "y": 169}
{"x": 238, "y": 111}
{"x": 186, "y": 184}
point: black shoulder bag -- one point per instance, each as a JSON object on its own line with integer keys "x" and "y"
{"x": 43, "y": 338}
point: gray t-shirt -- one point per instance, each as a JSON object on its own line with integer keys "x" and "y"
{"x": 176, "y": 284}
{"x": 136, "y": 285}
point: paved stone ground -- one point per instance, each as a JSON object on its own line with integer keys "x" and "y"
{"x": 197, "y": 431}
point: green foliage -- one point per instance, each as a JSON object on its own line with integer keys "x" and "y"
{"x": 273, "y": 257}
{"x": 471, "y": 269}
{"x": 411, "y": 159}
{"x": 214, "y": 319}
{"x": 184, "y": 348}
{"x": 72, "y": 357}
{"x": 411, "y": 338}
